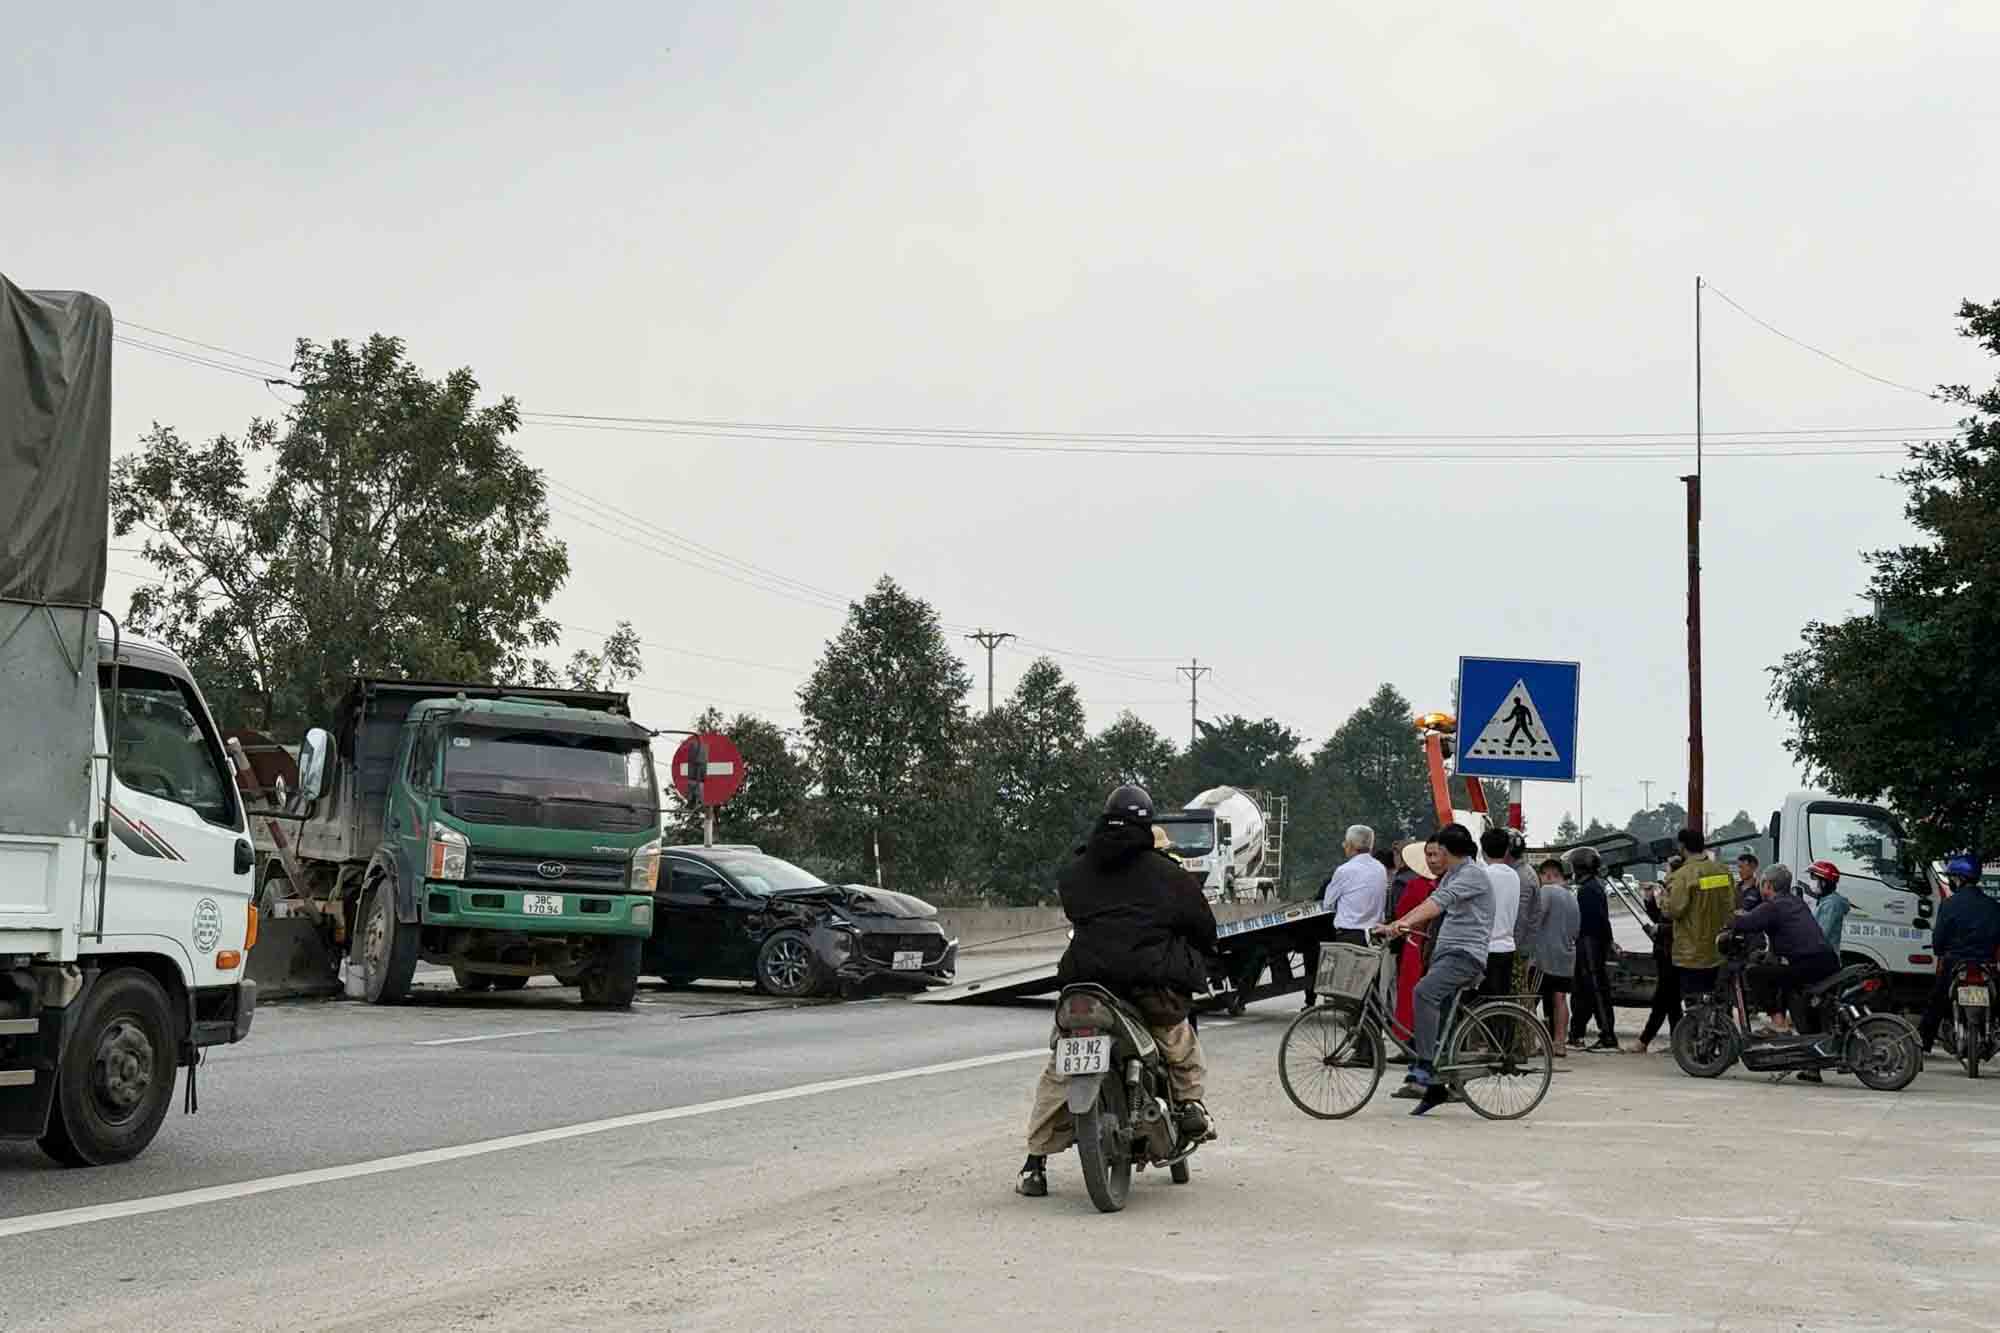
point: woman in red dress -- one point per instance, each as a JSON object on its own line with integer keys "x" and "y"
{"x": 1426, "y": 864}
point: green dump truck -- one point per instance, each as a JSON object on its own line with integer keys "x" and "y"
{"x": 505, "y": 832}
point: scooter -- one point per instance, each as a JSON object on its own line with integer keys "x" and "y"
{"x": 1881, "y": 1050}
{"x": 1119, "y": 1094}
{"x": 1973, "y": 1036}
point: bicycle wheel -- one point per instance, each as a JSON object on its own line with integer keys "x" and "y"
{"x": 1330, "y": 1060}
{"x": 1500, "y": 1059}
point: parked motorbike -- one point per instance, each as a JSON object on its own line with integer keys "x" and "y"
{"x": 1119, "y": 1094}
{"x": 1881, "y": 1050}
{"x": 1973, "y": 1036}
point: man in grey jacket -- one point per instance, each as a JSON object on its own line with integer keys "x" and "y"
{"x": 1558, "y": 921}
{"x": 1464, "y": 899}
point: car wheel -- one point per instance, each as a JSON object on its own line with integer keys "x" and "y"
{"x": 785, "y": 966}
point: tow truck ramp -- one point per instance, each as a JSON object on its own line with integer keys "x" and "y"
{"x": 1255, "y": 963}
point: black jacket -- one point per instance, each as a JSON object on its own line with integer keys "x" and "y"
{"x": 1968, "y": 928}
{"x": 1593, "y": 910}
{"x": 1141, "y": 921}
{"x": 1789, "y": 922}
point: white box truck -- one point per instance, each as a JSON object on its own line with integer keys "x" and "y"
{"x": 125, "y": 863}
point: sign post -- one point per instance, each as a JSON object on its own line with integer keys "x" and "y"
{"x": 707, "y": 770}
{"x": 1517, "y": 721}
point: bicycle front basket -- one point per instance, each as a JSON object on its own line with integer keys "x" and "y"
{"x": 1347, "y": 971}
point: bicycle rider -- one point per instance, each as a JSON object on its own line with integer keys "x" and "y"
{"x": 1464, "y": 898}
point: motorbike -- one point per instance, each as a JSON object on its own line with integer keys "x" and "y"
{"x": 1119, "y": 1094}
{"x": 1973, "y": 1037}
{"x": 1881, "y": 1050}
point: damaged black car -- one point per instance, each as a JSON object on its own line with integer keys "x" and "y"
{"x": 735, "y": 914}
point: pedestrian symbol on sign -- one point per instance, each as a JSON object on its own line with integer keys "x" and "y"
{"x": 1516, "y": 731}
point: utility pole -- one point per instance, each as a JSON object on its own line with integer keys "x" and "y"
{"x": 1194, "y": 671}
{"x": 1581, "y": 778}
{"x": 1693, "y": 483}
{"x": 1646, "y": 791}
{"x": 989, "y": 641}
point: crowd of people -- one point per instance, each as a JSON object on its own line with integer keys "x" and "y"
{"x": 1549, "y": 935}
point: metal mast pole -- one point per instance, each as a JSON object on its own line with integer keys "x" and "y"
{"x": 989, "y": 640}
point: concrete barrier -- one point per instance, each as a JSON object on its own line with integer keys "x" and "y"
{"x": 999, "y": 929}
{"x": 291, "y": 961}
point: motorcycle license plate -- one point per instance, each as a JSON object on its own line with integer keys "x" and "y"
{"x": 542, "y": 904}
{"x": 908, "y": 960}
{"x": 1083, "y": 1055}
{"x": 1974, "y": 995}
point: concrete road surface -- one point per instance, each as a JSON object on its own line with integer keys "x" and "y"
{"x": 716, "y": 1161}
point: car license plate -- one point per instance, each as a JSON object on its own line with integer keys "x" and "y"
{"x": 542, "y": 904}
{"x": 1083, "y": 1055}
{"x": 1974, "y": 995}
{"x": 908, "y": 960}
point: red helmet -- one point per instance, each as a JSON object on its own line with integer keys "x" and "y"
{"x": 1825, "y": 870}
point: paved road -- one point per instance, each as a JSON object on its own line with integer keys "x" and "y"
{"x": 849, "y": 1167}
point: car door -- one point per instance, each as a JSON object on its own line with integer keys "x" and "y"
{"x": 694, "y": 912}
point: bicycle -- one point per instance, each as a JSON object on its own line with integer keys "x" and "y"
{"x": 1494, "y": 1054}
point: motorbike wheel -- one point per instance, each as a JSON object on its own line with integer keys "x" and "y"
{"x": 1330, "y": 1060}
{"x": 1882, "y": 1052}
{"x": 1971, "y": 1045}
{"x": 1705, "y": 1042}
{"x": 1102, "y": 1143}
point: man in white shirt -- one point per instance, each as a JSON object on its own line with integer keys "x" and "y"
{"x": 1353, "y": 900}
{"x": 1506, "y": 907}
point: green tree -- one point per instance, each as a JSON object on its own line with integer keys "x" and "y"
{"x": 1378, "y": 753}
{"x": 1741, "y": 826}
{"x": 1662, "y": 821}
{"x": 885, "y": 717}
{"x": 1037, "y": 760}
{"x": 618, "y": 659}
{"x": 386, "y": 526}
{"x": 1597, "y": 829}
{"x": 1131, "y": 751}
{"x": 1899, "y": 706}
{"x": 1231, "y": 751}
{"x": 1567, "y": 831}
{"x": 771, "y": 809}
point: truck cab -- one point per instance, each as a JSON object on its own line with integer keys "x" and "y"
{"x": 1203, "y": 841}
{"x": 504, "y": 832}
{"x": 1893, "y": 901}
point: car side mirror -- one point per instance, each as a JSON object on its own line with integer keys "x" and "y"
{"x": 312, "y": 764}
{"x": 715, "y": 892}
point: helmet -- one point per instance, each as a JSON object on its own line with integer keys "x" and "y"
{"x": 1129, "y": 803}
{"x": 1962, "y": 867}
{"x": 1826, "y": 872}
{"x": 1517, "y": 842}
{"x": 1585, "y": 861}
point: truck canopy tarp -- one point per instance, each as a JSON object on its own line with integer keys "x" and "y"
{"x": 604, "y": 726}
{"x": 55, "y": 446}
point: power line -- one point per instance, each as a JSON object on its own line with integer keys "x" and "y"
{"x": 196, "y": 342}
{"x": 1797, "y": 342}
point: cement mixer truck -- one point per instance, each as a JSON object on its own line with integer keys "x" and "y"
{"x": 1223, "y": 836}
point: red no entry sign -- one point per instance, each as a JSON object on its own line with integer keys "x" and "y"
{"x": 725, "y": 769}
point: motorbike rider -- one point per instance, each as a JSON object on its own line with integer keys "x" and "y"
{"x": 1143, "y": 930}
{"x": 1967, "y": 931}
{"x": 1795, "y": 937}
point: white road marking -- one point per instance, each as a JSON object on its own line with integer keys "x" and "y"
{"x": 489, "y": 1036}
{"x": 166, "y": 1203}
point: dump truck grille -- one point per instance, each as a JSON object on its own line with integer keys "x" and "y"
{"x": 514, "y": 868}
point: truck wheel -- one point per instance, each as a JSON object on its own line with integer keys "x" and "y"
{"x": 386, "y": 947}
{"x": 614, "y": 979}
{"x": 785, "y": 966}
{"x": 116, "y": 1077}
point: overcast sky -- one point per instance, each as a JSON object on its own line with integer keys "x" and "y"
{"x": 1309, "y": 219}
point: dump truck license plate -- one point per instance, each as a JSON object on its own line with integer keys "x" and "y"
{"x": 542, "y": 904}
{"x": 1083, "y": 1055}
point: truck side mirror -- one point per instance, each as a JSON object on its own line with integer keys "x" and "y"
{"x": 312, "y": 764}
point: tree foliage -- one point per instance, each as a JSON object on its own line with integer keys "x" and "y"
{"x": 1129, "y": 750}
{"x": 1567, "y": 831}
{"x": 1904, "y": 705}
{"x": 385, "y": 526}
{"x": 620, "y": 658}
{"x": 1036, "y": 762}
{"x": 884, "y": 720}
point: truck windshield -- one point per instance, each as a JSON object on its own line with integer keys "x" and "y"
{"x": 1190, "y": 837}
{"x": 1864, "y": 843}
{"x": 550, "y": 767}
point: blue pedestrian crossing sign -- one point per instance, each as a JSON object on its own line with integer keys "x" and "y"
{"x": 1517, "y": 719}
